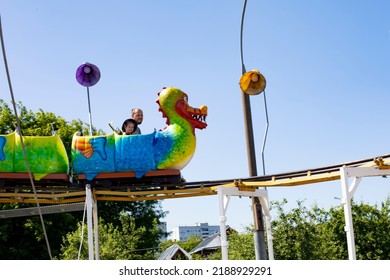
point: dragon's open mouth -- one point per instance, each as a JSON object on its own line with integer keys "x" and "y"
{"x": 198, "y": 116}
{"x": 195, "y": 116}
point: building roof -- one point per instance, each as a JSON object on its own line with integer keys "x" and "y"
{"x": 213, "y": 242}
{"x": 173, "y": 252}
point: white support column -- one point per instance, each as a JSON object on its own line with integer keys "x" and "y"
{"x": 89, "y": 202}
{"x": 223, "y": 204}
{"x": 347, "y": 190}
{"x": 96, "y": 229}
{"x": 346, "y": 200}
{"x": 224, "y": 194}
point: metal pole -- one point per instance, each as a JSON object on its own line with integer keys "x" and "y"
{"x": 258, "y": 234}
{"x": 265, "y": 203}
{"x": 90, "y": 116}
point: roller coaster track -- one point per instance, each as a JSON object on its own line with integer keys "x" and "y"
{"x": 60, "y": 188}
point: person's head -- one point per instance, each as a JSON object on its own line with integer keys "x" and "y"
{"x": 137, "y": 114}
{"x": 129, "y": 126}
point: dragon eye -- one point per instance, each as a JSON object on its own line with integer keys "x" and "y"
{"x": 185, "y": 97}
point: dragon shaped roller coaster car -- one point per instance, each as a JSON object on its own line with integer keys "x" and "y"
{"x": 113, "y": 158}
{"x": 170, "y": 149}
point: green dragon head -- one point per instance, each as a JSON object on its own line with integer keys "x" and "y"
{"x": 174, "y": 106}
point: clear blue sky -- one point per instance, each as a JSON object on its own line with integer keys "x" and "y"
{"x": 326, "y": 64}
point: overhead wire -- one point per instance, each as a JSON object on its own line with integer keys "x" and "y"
{"x": 21, "y": 139}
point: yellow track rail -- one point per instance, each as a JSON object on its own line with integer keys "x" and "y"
{"x": 76, "y": 193}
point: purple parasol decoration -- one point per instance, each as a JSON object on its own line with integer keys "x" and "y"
{"x": 88, "y": 74}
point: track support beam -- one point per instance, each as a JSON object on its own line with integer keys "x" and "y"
{"x": 224, "y": 195}
{"x": 347, "y": 191}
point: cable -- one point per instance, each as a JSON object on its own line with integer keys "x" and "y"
{"x": 82, "y": 232}
{"x": 265, "y": 133}
{"x": 21, "y": 138}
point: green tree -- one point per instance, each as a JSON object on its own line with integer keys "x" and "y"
{"x": 23, "y": 238}
{"x": 40, "y": 123}
{"x": 317, "y": 234}
{"x": 295, "y": 233}
{"x": 115, "y": 242}
{"x": 371, "y": 224}
{"x": 314, "y": 234}
{"x": 190, "y": 243}
{"x": 146, "y": 214}
{"x": 241, "y": 245}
